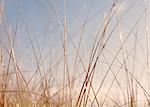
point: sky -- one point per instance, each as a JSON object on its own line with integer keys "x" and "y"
{"x": 41, "y": 21}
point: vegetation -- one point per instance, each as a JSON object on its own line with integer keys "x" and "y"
{"x": 65, "y": 67}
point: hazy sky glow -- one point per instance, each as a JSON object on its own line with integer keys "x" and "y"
{"x": 40, "y": 24}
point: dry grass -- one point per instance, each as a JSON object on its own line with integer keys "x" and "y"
{"x": 58, "y": 80}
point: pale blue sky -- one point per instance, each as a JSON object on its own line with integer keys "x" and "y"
{"x": 40, "y": 16}
{"x": 41, "y": 20}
